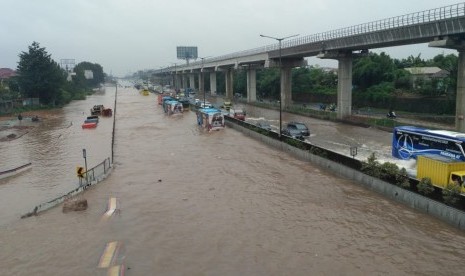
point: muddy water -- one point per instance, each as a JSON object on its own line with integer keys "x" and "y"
{"x": 54, "y": 147}
{"x": 196, "y": 203}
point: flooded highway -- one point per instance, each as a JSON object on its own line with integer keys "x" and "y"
{"x": 199, "y": 203}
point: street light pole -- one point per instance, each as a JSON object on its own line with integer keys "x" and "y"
{"x": 280, "y": 84}
{"x": 85, "y": 161}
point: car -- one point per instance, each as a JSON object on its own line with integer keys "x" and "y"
{"x": 298, "y": 126}
{"x": 203, "y": 105}
{"x": 264, "y": 125}
{"x": 294, "y": 133}
{"x": 227, "y": 105}
{"x": 237, "y": 114}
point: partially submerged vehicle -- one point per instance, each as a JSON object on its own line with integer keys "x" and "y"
{"x": 89, "y": 125}
{"x": 145, "y": 92}
{"x": 162, "y": 96}
{"x": 173, "y": 107}
{"x": 97, "y": 109}
{"x": 227, "y": 105}
{"x": 238, "y": 114}
{"x": 107, "y": 112}
{"x": 93, "y": 118}
{"x": 210, "y": 119}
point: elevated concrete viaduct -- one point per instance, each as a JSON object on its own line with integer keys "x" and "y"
{"x": 441, "y": 27}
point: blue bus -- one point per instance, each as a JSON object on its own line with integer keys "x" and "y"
{"x": 409, "y": 142}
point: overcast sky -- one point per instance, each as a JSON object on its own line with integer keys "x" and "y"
{"x": 125, "y": 36}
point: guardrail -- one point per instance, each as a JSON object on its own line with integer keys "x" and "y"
{"x": 95, "y": 174}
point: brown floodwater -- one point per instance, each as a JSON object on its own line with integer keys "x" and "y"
{"x": 198, "y": 203}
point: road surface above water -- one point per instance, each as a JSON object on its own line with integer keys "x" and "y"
{"x": 197, "y": 203}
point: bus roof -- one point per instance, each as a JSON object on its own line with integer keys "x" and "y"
{"x": 438, "y": 133}
{"x": 209, "y": 110}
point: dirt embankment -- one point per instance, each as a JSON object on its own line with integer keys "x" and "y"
{"x": 12, "y": 128}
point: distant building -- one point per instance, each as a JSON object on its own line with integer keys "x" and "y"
{"x": 6, "y": 73}
{"x": 426, "y": 73}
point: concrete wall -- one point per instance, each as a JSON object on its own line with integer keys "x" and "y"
{"x": 445, "y": 213}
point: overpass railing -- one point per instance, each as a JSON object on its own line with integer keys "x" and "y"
{"x": 428, "y": 16}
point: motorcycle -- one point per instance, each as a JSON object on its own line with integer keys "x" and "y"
{"x": 391, "y": 115}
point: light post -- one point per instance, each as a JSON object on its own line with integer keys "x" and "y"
{"x": 85, "y": 162}
{"x": 279, "y": 39}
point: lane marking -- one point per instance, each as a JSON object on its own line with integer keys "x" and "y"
{"x": 112, "y": 207}
{"x": 109, "y": 254}
{"x": 117, "y": 270}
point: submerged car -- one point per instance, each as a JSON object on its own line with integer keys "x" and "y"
{"x": 264, "y": 125}
{"x": 294, "y": 133}
{"x": 237, "y": 114}
{"x": 298, "y": 126}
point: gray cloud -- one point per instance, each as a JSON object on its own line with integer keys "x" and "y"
{"x": 129, "y": 35}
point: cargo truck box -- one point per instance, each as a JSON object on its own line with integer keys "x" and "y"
{"x": 441, "y": 170}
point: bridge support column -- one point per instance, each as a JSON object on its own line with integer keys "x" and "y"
{"x": 229, "y": 84}
{"x": 458, "y": 44}
{"x": 344, "y": 86}
{"x": 460, "y": 98}
{"x": 192, "y": 81}
{"x": 344, "y": 81}
{"x": 251, "y": 85}
{"x": 213, "y": 83}
{"x": 286, "y": 86}
{"x": 177, "y": 81}
{"x": 201, "y": 83}
{"x": 184, "y": 82}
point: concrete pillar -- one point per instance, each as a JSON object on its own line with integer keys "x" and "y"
{"x": 251, "y": 85}
{"x": 192, "y": 81}
{"x": 177, "y": 81}
{"x": 213, "y": 83}
{"x": 229, "y": 84}
{"x": 460, "y": 98}
{"x": 344, "y": 86}
{"x": 184, "y": 81}
{"x": 201, "y": 83}
{"x": 286, "y": 86}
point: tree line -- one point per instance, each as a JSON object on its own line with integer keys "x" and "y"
{"x": 39, "y": 76}
{"x": 374, "y": 76}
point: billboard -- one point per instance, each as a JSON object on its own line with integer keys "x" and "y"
{"x": 186, "y": 52}
{"x": 88, "y": 74}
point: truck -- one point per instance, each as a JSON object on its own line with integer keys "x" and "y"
{"x": 441, "y": 171}
{"x": 227, "y": 105}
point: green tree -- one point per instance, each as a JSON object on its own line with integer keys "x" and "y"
{"x": 301, "y": 80}
{"x": 39, "y": 75}
{"x": 450, "y": 64}
{"x": 268, "y": 83}
{"x": 373, "y": 70}
{"x": 98, "y": 76}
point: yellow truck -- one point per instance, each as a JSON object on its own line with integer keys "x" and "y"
{"x": 441, "y": 170}
{"x": 227, "y": 105}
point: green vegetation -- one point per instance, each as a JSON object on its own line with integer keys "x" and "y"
{"x": 425, "y": 186}
{"x": 40, "y": 77}
{"x": 386, "y": 171}
{"x": 378, "y": 81}
{"x": 451, "y": 194}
